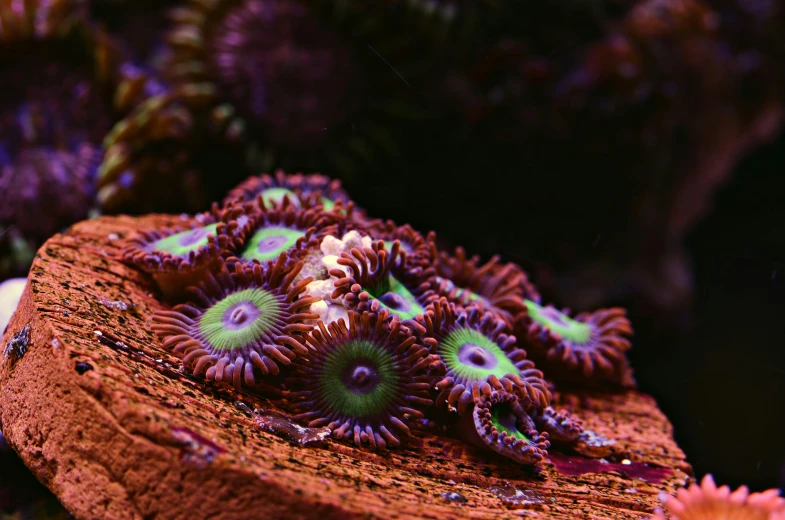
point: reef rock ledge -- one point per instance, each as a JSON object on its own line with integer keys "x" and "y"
{"x": 105, "y": 417}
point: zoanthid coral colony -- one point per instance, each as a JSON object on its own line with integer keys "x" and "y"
{"x": 367, "y": 327}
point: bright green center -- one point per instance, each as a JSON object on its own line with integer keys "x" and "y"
{"x": 473, "y": 296}
{"x": 504, "y": 420}
{"x": 359, "y": 379}
{"x": 396, "y": 298}
{"x": 274, "y": 196}
{"x": 327, "y": 204}
{"x": 472, "y": 356}
{"x": 240, "y": 319}
{"x": 558, "y": 322}
{"x": 388, "y": 245}
{"x": 269, "y": 242}
{"x": 181, "y": 244}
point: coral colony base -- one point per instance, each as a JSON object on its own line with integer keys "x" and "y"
{"x": 367, "y": 329}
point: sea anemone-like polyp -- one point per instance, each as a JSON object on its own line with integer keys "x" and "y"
{"x": 416, "y": 249}
{"x": 375, "y": 278}
{"x": 181, "y": 256}
{"x": 497, "y": 287}
{"x": 365, "y": 382}
{"x": 499, "y": 422}
{"x": 239, "y": 325}
{"x": 561, "y": 426}
{"x": 587, "y": 349}
{"x": 284, "y": 228}
{"x": 273, "y": 188}
{"x": 478, "y": 358}
{"x": 709, "y": 502}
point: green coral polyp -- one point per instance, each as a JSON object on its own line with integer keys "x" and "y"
{"x": 183, "y": 243}
{"x": 500, "y": 415}
{"x": 275, "y": 196}
{"x": 240, "y": 319}
{"x": 473, "y": 356}
{"x": 499, "y": 422}
{"x": 269, "y": 242}
{"x": 397, "y": 299}
{"x": 365, "y": 380}
{"x": 559, "y": 323}
{"x": 477, "y": 357}
{"x": 237, "y": 326}
{"x": 327, "y": 204}
{"x": 359, "y": 379}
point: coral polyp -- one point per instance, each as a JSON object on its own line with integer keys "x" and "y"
{"x": 589, "y": 348}
{"x": 366, "y": 381}
{"x": 561, "y": 426}
{"x": 273, "y": 189}
{"x": 478, "y": 357}
{"x": 240, "y": 325}
{"x": 500, "y": 423}
{"x": 416, "y": 249}
{"x": 181, "y": 256}
{"x": 709, "y": 502}
{"x": 285, "y": 228}
{"x": 495, "y": 286}
{"x": 374, "y": 278}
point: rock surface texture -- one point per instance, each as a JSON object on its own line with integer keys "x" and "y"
{"x": 105, "y": 417}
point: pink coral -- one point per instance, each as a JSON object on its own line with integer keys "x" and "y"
{"x": 709, "y": 502}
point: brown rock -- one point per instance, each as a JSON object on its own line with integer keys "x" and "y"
{"x": 108, "y": 421}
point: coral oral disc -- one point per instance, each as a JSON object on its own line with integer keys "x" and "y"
{"x": 373, "y": 278}
{"x": 359, "y": 378}
{"x": 239, "y": 319}
{"x": 181, "y": 244}
{"x": 588, "y": 349}
{"x": 399, "y": 300}
{"x": 559, "y": 322}
{"x": 476, "y": 357}
{"x": 364, "y": 382}
{"x": 239, "y": 325}
{"x": 500, "y": 423}
{"x": 275, "y": 196}
{"x": 269, "y": 242}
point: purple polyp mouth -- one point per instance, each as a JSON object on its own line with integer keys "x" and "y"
{"x": 271, "y": 244}
{"x": 242, "y": 221}
{"x": 240, "y": 315}
{"x": 506, "y": 418}
{"x": 553, "y": 315}
{"x": 360, "y": 378}
{"x": 476, "y": 356}
{"x": 189, "y": 239}
{"x": 395, "y": 301}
